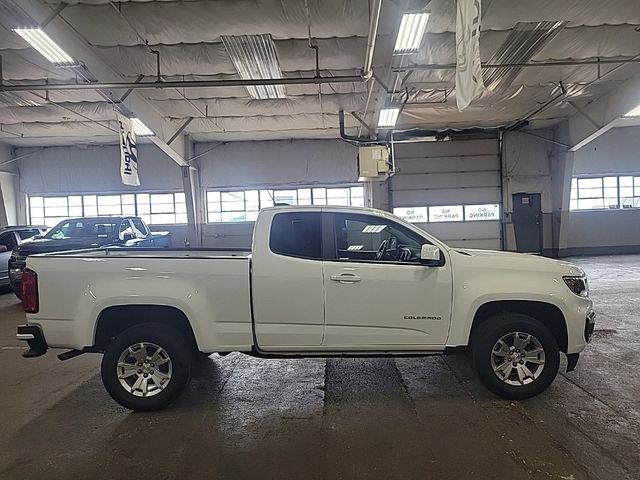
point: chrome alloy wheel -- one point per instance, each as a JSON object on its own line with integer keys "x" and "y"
{"x": 144, "y": 369}
{"x": 517, "y": 358}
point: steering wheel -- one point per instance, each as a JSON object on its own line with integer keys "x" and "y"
{"x": 382, "y": 249}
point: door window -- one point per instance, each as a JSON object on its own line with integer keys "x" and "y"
{"x": 8, "y": 240}
{"x": 368, "y": 238}
{"x": 297, "y": 235}
{"x": 139, "y": 228}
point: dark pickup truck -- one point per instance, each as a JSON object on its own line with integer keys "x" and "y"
{"x": 80, "y": 233}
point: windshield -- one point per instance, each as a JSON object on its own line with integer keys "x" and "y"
{"x": 97, "y": 228}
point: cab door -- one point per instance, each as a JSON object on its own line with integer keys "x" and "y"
{"x": 377, "y": 293}
{"x": 287, "y": 283}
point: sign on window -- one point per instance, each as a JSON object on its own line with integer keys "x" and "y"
{"x": 411, "y": 214}
{"x": 450, "y": 213}
{"x": 481, "y": 212}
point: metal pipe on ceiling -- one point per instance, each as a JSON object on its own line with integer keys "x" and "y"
{"x": 181, "y": 84}
{"x": 371, "y": 38}
{"x": 561, "y": 63}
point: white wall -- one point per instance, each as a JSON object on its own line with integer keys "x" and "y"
{"x": 526, "y": 168}
{"x": 65, "y": 170}
{"x": 68, "y": 170}
{"x": 607, "y": 231}
{"x": 8, "y": 187}
{"x": 269, "y": 163}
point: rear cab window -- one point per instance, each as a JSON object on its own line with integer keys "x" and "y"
{"x": 297, "y": 234}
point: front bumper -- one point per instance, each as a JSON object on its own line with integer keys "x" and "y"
{"x": 32, "y": 334}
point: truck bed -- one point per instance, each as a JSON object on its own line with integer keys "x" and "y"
{"x": 153, "y": 253}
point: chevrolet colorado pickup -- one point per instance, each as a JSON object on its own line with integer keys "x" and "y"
{"x": 319, "y": 281}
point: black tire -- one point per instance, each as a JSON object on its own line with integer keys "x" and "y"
{"x": 494, "y": 329}
{"x": 176, "y": 346}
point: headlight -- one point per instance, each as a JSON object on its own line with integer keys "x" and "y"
{"x": 577, "y": 285}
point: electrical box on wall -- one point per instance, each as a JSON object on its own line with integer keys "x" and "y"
{"x": 373, "y": 163}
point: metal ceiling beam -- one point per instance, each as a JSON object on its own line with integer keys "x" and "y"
{"x": 109, "y": 79}
{"x": 606, "y": 112}
{"x": 180, "y": 84}
{"x": 559, "y": 63}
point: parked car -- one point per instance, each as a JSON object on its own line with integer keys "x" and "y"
{"x": 82, "y": 233}
{"x": 320, "y": 281}
{"x": 10, "y": 238}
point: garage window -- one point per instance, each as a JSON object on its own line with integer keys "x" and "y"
{"x": 244, "y": 205}
{"x": 611, "y": 192}
{"x": 153, "y": 208}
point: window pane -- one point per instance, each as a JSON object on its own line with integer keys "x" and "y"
{"x": 179, "y": 197}
{"x": 56, "y": 211}
{"x": 338, "y": 196}
{"x": 163, "y": 218}
{"x": 590, "y": 203}
{"x": 266, "y": 198}
{"x": 626, "y": 181}
{"x": 36, "y": 202}
{"x": 233, "y": 216}
{"x": 304, "y": 196}
{"x": 319, "y": 196}
{"x": 252, "y": 202}
{"x": 213, "y": 196}
{"x": 128, "y": 199}
{"x": 232, "y": 201}
{"x": 610, "y": 181}
{"x": 589, "y": 182}
{"x": 289, "y": 197}
{"x": 297, "y": 235}
{"x": 590, "y": 193}
{"x": 181, "y": 218}
{"x": 75, "y": 201}
{"x": 55, "y": 202}
{"x": 128, "y": 209}
{"x": 75, "y": 211}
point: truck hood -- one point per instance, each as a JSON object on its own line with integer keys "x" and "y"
{"x": 523, "y": 261}
{"x": 46, "y": 245}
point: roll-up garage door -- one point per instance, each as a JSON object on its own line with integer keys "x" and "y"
{"x": 451, "y": 189}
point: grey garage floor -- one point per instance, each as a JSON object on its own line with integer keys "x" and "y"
{"x": 346, "y": 418}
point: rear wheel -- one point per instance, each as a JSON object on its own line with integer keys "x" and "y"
{"x": 146, "y": 367}
{"x": 516, "y": 356}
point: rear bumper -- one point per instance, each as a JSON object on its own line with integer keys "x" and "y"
{"x": 32, "y": 334}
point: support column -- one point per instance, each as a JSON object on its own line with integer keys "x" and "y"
{"x": 191, "y": 189}
{"x": 561, "y": 174}
{"x": 4, "y": 221}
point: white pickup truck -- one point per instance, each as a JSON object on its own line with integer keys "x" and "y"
{"x": 320, "y": 281}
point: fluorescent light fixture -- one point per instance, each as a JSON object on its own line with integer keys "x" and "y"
{"x": 255, "y": 58}
{"x": 388, "y": 117}
{"x": 410, "y": 33}
{"x": 373, "y": 228}
{"x": 38, "y": 39}
{"x": 634, "y": 113}
{"x": 140, "y": 129}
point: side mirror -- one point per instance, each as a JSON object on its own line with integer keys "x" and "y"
{"x": 431, "y": 255}
{"x": 3, "y": 248}
{"x": 128, "y": 236}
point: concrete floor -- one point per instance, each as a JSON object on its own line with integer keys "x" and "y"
{"x": 345, "y": 418}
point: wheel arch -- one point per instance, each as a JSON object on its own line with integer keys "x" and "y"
{"x": 115, "y": 319}
{"x": 546, "y": 313}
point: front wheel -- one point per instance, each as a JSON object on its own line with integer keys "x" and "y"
{"x": 146, "y": 367}
{"x": 516, "y": 356}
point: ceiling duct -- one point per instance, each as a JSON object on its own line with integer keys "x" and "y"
{"x": 255, "y": 58}
{"x": 520, "y": 46}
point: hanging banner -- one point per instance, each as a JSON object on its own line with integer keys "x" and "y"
{"x": 128, "y": 152}
{"x": 469, "y": 84}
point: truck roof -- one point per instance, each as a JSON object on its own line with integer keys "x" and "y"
{"x": 12, "y": 228}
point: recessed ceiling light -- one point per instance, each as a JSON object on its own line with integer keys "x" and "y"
{"x": 412, "y": 27}
{"x": 38, "y": 39}
{"x": 388, "y": 117}
{"x": 634, "y": 113}
{"x": 140, "y": 129}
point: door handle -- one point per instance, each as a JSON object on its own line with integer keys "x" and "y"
{"x": 345, "y": 278}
